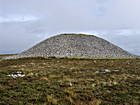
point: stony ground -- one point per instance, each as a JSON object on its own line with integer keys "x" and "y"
{"x": 73, "y": 81}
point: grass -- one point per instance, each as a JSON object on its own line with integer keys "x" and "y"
{"x": 5, "y": 55}
{"x": 89, "y": 58}
{"x": 70, "y": 81}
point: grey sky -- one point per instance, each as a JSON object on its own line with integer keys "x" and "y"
{"x": 24, "y": 23}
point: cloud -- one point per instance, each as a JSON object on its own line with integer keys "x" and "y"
{"x": 17, "y": 19}
{"x": 78, "y": 14}
{"x": 26, "y": 22}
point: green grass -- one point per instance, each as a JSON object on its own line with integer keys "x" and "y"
{"x": 5, "y": 55}
{"x": 80, "y": 57}
{"x": 70, "y": 81}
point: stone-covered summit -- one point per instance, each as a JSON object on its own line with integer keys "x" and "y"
{"x": 71, "y": 45}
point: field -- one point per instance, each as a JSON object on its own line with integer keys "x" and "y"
{"x": 70, "y": 81}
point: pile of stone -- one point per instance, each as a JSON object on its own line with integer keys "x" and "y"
{"x": 72, "y": 45}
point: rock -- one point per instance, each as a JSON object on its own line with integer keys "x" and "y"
{"x": 17, "y": 74}
{"x": 115, "y": 70}
{"x": 103, "y": 71}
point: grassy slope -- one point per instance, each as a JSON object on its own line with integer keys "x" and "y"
{"x": 70, "y": 82}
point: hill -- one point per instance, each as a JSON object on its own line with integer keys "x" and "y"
{"x": 75, "y": 45}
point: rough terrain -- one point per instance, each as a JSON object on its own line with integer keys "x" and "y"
{"x": 69, "y": 81}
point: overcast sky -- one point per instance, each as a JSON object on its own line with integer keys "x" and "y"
{"x": 23, "y": 23}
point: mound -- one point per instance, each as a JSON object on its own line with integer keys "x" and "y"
{"x": 67, "y": 45}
